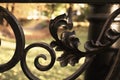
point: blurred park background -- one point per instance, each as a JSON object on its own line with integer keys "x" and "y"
{"x": 34, "y": 18}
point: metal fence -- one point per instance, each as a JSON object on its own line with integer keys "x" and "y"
{"x": 102, "y": 60}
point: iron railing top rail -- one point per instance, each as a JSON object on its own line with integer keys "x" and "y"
{"x": 64, "y": 1}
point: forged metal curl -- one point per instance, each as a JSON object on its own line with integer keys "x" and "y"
{"x": 68, "y": 43}
{"x": 107, "y": 36}
{"x": 106, "y": 39}
{"x": 19, "y": 36}
{"x": 40, "y": 67}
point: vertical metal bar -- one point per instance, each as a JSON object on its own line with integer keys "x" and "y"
{"x": 98, "y": 68}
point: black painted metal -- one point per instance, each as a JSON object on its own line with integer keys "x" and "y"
{"x": 68, "y": 43}
{"x": 40, "y": 67}
{"x": 97, "y": 33}
{"x": 97, "y": 18}
{"x": 19, "y": 36}
{"x": 61, "y": 1}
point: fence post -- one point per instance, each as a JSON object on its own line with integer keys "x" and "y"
{"x": 98, "y": 68}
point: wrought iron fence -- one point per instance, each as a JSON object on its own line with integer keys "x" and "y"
{"x": 68, "y": 43}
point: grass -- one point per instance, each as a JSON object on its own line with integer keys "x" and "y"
{"x": 55, "y": 73}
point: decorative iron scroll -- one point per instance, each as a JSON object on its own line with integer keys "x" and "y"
{"x": 36, "y": 62}
{"x": 66, "y": 42}
{"x": 19, "y": 36}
